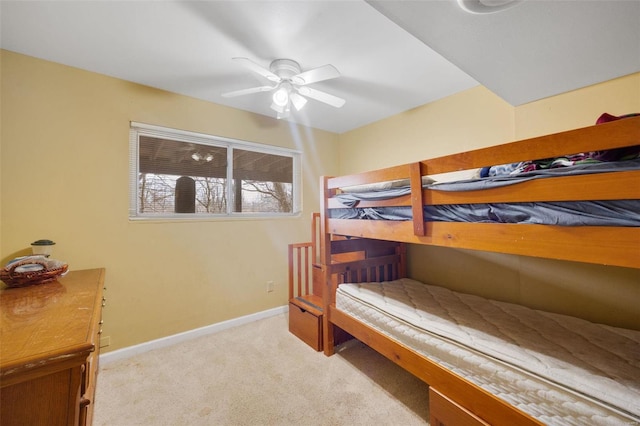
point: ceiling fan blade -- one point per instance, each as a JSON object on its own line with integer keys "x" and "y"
{"x": 325, "y": 97}
{"x": 248, "y": 63}
{"x": 298, "y": 101}
{"x": 315, "y": 75}
{"x": 247, "y": 91}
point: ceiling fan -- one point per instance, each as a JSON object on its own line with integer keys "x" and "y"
{"x": 290, "y": 84}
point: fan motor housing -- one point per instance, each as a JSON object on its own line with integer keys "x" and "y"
{"x": 285, "y": 68}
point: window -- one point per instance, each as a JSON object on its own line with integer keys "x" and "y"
{"x": 178, "y": 174}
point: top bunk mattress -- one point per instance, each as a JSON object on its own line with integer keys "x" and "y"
{"x": 559, "y": 369}
{"x": 563, "y": 213}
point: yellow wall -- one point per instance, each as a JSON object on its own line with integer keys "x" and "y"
{"x": 578, "y": 108}
{"x": 64, "y": 176}
{"x": 477, "y": 118}
{"x": 472, "y": 119}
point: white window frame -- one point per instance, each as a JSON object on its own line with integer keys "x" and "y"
{"x": 141, "y": 129}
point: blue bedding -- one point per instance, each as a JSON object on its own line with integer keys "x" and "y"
{"x": 566, "y": 213}
{"x": 584, "y": 213}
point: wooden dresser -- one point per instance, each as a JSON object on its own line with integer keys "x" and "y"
{"x": 49, "y": 344}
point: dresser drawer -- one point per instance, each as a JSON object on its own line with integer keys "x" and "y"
{"x": 306, "y": 326}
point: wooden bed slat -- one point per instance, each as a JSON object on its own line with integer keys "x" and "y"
{"x": 383, "y": 175}
{"x": 379, "y": 247}
{"x": 299, "y": 267}
{"x": 601, "y": 186}
{"x": 343, "y": 267}
{"x": 578, "y": 243}
{"x": 616, "y": 134}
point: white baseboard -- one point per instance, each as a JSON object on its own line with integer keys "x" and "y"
{"x": 188, "y": 335}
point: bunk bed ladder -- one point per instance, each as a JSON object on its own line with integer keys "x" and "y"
{"x": 305, "y": 288}
{"x": 303, "y": 261}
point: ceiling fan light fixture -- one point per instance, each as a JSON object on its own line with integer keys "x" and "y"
{"x": 278, "y": 108}
{"x": 281, "y": 96}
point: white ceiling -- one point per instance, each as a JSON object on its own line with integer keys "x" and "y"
{"x": 392, "y": 55}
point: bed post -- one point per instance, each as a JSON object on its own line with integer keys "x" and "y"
{"x": 415, "y": 179}
{"x": 328, "y": 293}
{"x": 401, "y": 251}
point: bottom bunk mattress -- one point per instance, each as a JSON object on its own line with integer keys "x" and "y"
{"x": 559, "y": 369}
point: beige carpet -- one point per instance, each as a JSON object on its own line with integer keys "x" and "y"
{"x": 258, "y": 374}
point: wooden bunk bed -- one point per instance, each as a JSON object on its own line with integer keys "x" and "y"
{"x": 377, "y": 247}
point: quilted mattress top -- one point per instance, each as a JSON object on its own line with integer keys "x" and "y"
{"x": 594, "y": 360}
